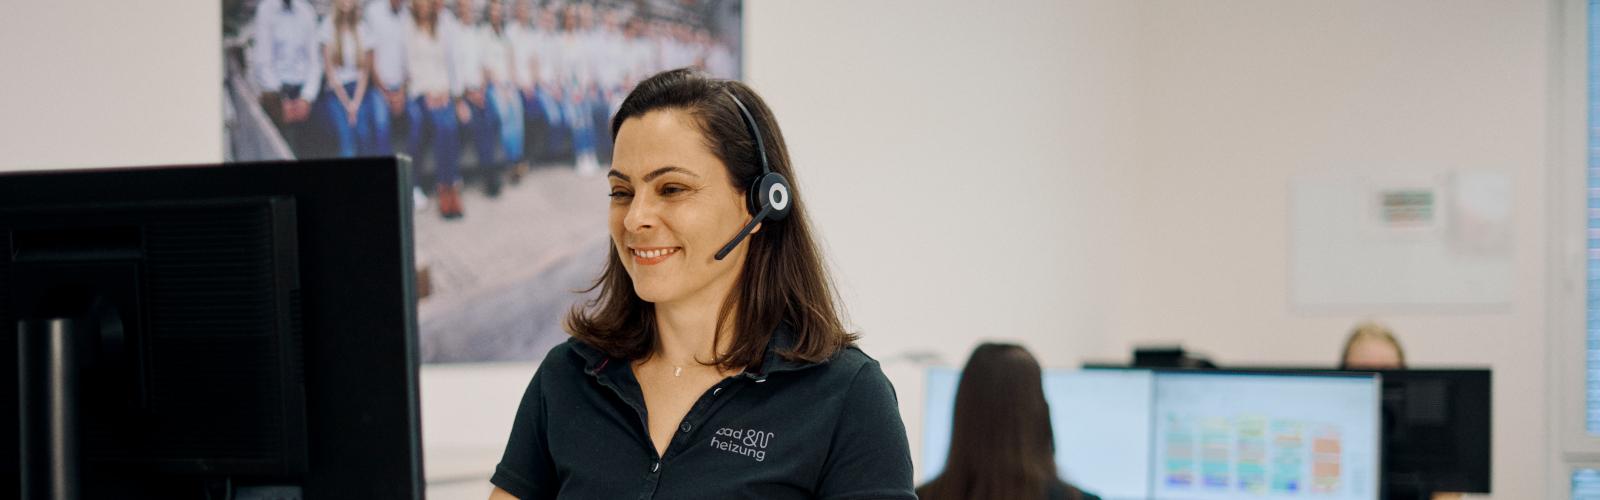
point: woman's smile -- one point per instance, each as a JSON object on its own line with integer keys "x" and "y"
{"x": 653, "y": 255}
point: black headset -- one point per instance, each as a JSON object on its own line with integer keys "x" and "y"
{"x": 768, "y": 197}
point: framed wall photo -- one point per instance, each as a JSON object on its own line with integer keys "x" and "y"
{"x": 504, "y": 107}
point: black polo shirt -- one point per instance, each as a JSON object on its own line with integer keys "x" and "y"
{"x": 828, "y": 430}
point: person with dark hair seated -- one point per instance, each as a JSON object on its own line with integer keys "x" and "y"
{"x": 1001, "y": 444}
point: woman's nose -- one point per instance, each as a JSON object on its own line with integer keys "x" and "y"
{"x": 641, "y": 215}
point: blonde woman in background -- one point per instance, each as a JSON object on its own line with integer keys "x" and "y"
{"x": 349, "y": 105}
{"x": 1372, "y": 346}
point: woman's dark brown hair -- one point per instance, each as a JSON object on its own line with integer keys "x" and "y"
{"x": 783, "y": 280}
{"x": 1001, "y": 443}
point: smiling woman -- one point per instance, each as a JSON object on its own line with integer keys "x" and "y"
{"x": 711, "y": 365}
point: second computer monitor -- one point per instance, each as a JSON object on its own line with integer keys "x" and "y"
{"x": 1136, "y": 434}
{"x": 1231, "y": 435}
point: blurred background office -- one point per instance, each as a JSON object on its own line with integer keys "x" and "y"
{"x": 1247, "y": 178}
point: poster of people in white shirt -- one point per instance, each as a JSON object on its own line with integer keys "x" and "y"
{"x": 503, "y": 106}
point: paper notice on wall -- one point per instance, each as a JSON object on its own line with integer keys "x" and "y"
{"x": 1403, "y": 208}
{"x": 1481, "y": 203}
{"x": 1374, "y": 242}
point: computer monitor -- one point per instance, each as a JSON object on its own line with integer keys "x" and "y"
{"x": 1436, "y": 426}
{"x": 1100, "y": 419}
{"x": 1169, "y": 434}
{"x": 201, "y": 331}
{"x": 1437, "y": 431}
{"x": 1237, "y": 435}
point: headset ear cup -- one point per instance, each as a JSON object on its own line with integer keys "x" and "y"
{"x": 755, "y": 199}
{"x": 774, "y": 195}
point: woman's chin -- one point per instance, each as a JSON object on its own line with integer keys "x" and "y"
{"x": 651, "y": 294}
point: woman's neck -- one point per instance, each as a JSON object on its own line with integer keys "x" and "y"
{"x": 686, "y": 329}
{"x": 686, "y": 334}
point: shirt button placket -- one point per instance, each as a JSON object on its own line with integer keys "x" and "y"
{"x": 651, "y": 481}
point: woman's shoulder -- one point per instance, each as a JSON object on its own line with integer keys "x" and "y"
{"x": 570, "y": 358}
{"x": 853, "y": 360}
{"x": 845, "y": 365}
{"x": 851, "y": 368}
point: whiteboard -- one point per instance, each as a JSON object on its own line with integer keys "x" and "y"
{"x": 1394, "y": 243}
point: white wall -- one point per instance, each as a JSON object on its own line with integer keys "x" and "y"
{"x": 1239, "y": 96}
{"x": 1079, "y": 176}
{"x": 110, "y": 83}
{"x": 967, "y": 167}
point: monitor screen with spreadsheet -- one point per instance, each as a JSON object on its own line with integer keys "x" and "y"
{"x": 1135, "y": 434}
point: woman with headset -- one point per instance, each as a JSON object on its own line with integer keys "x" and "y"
{"x": 713, "y": 363}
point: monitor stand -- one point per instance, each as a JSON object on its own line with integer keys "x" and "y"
{"x": 47, "y": 387}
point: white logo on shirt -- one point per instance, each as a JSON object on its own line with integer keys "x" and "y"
{"x": 748, "y": 442}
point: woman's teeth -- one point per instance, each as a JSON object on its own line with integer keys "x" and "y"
{"x": 651, "y": 254}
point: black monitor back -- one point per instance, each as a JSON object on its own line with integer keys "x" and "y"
{"x": 1437, "y": 430}
{"x": 237, "y": 325}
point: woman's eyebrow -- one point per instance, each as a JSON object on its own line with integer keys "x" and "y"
{"x": 653, "y": 174}
{"x": 666, "y": 170}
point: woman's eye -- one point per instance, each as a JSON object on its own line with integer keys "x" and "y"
{"x": 619, "y": 194}
{"x": 672, "y": 190}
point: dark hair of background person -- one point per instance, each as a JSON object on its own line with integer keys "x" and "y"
{"x": 783, "y": 279}
{"x": 1001, "y": 443}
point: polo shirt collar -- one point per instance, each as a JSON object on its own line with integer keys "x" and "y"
{"x": 771, "y": 362}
